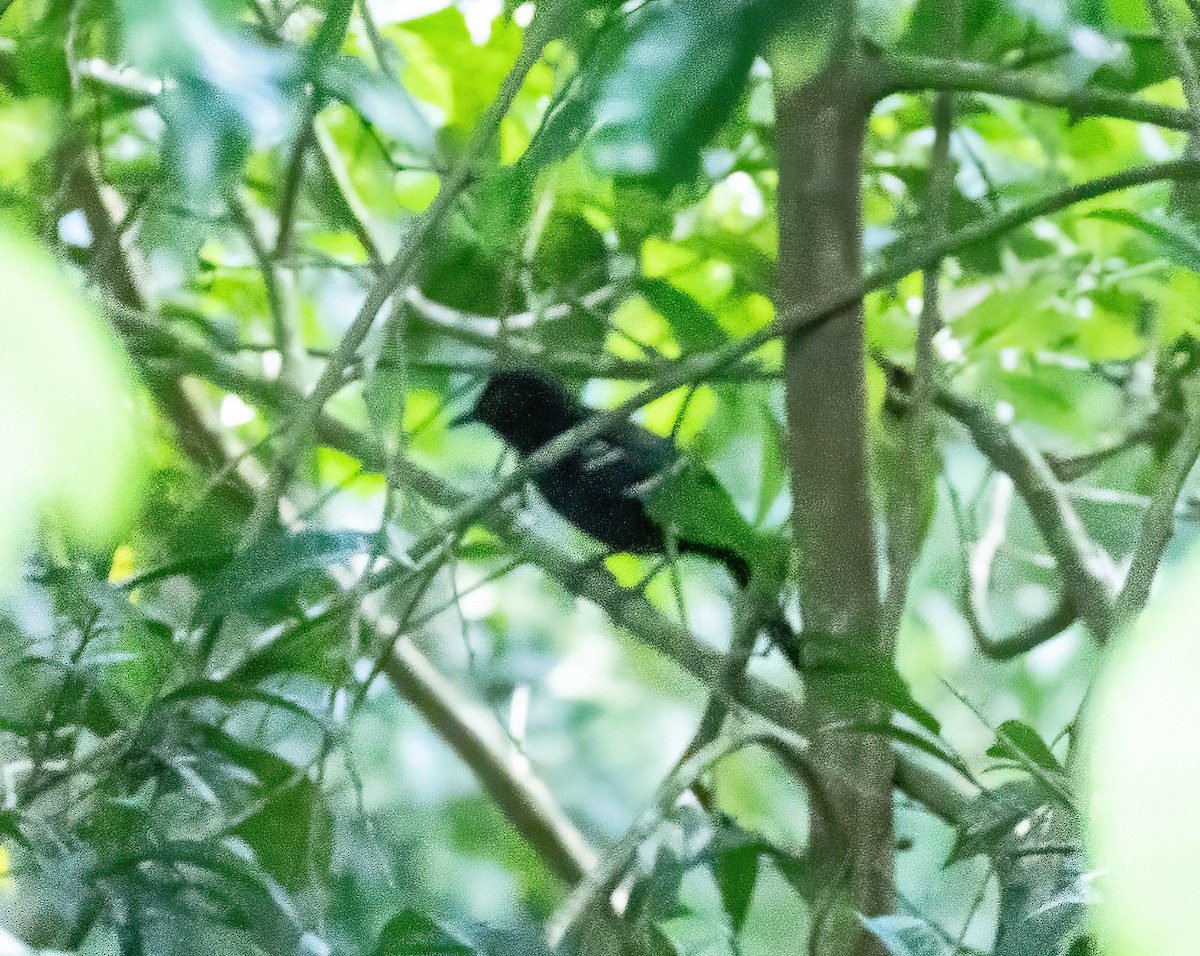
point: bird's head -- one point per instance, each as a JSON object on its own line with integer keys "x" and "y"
{"x": 525, "y": 408}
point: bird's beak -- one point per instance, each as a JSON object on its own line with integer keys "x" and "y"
{"x": 466, "y": 418}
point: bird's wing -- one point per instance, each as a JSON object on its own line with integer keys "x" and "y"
{"x": 626, "y": 457}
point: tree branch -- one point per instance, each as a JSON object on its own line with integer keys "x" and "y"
{"x": 518, "y": 794}
{"x": 626, "y": 608}
{"x": 911, "y": 501}
{"x": 516, "y": 791}
{"x": 900, "y": 73}
{"x": 1086, "y": 569}
{"x": 397, "y": 273}
{"x": 1158, "y": 523}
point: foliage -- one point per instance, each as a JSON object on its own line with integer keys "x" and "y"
{"x": 281, "y": 677}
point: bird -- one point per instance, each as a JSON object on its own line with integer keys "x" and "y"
{"x": 601, "y": 488}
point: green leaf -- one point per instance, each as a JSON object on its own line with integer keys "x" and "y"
{"x": 273, "y": 570}
{"x": 676, "y": 77}
{"x": 231, "y": 693}
{"x": 735, "y": 868}
{"x": 332, "y": 32}
{"x": 935, "y": 748}
{"x": 1015, "y": 738}
{"x": 315, "y": 647}
{"x": 689, "y": 501}
{"x": 28, "y": 130}
{"x": 291, "y": 833}
{"x": 410, "y": 933}
{"x": 444, "y": 66}
{"x": 42, "y": 55}
{"x": 854, "y": 676}
{"x": 571, "y": 255}
{"x": 773, "y": 473}
{"x": 694, "y": 327}
{"x": 1173, "y": 239}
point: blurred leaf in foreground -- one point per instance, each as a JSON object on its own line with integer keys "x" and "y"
{"x": 1145, "y": 777}
{"x": 66, "y": 430}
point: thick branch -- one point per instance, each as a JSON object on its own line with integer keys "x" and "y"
{"x": 820, "y": 128}
{"x": 521, "y": 796}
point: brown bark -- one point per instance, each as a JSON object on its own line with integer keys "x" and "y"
{"x": 820, "y": 127}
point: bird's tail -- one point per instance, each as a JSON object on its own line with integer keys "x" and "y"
{"x": 774, "y": 624}
{"x": 738, "y": 566}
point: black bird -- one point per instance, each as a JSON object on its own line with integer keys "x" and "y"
{"x": 600, "y": 487}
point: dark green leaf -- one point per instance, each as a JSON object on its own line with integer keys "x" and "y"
{"x": 410, "y": 933}
{"x": 291, "y": 833}
{"x": 935, "y": 748}
{"x": 229, "y": 692}
{"x": 315, "y": 647}
{"x": 736, "y": 872}
{"x": 688, "y": 500}
{"x": 677, "y": 75}
{"x": 1084, "y": 946}
{"x": 694, "y": 327}
{"x": 571, "y": 255}
{"x": 1015, "y": 738}
{"x": 273, "y": 569}
{"x": 869, "y": 678}
{"x": 332, "y": 32}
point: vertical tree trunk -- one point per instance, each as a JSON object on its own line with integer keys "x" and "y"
{"x": 820, "y": 127}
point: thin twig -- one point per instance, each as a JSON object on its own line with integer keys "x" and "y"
{"x": 1054, "y": 783}
{"x": 289, "y": 198}
{"x": 910, "y": 499}
{"x": 346, "y": 194}
{"x": 1087, "y": 571}
{"x": 1185, "y": 65}
{"x": 1020, "y": 642}
{"x": 281, "y": 297}
{"x": 398, "y": 272}
{"x": 1158, "y": 523}
{"x": 602, "y": 879}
